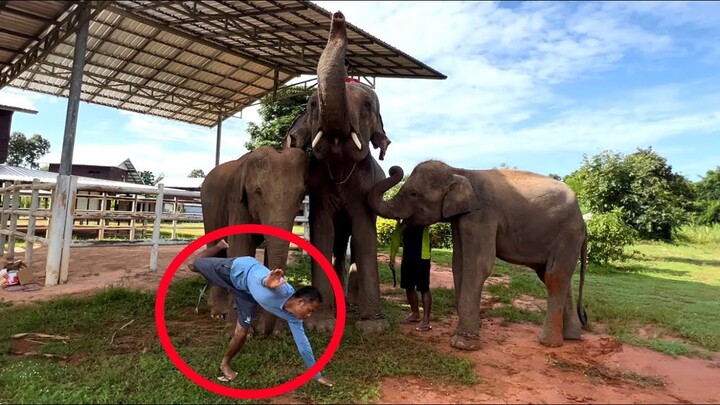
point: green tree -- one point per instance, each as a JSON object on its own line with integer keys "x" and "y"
{"x": 23, "y": 151}
{"x": 147, "y": 177}
{"x": 277, "y": 116}
{"x": 197, "y": 173}
{"x": 708, "y": 193}
{"x": 654, "y": 200}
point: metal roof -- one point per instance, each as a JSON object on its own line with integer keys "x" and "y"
{"x": 182, "y": 60}
{"x": 23, "y": 174}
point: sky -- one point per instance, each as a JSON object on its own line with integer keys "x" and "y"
{"x": 531, "y": 85}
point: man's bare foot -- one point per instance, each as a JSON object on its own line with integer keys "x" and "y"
{"x": 228, "y": 372}
{"x": 223, "y": 244}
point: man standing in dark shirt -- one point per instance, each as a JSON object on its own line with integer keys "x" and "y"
{"x": 414, "y": 270}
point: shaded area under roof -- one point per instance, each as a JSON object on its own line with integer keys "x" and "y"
{"x": 190, "y": 61}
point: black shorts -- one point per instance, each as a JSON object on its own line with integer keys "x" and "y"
{"x": 415, "y": 274}
{"x": 216, "y": 271}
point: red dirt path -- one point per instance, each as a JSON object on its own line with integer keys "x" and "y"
{"x": 512, "y": 366}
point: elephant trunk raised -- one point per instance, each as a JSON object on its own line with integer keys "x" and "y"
{"x": 391, "y": 209}
{"x": 331, "y": 80}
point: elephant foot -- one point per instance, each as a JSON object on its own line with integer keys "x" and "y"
{"x": 352, "y": 308}
{"x": 572, "y": 333}
{"x": 550, "y": 340}
{"x": 465, "y": 341}
{"x": 279, "y": 328}
{"x": 320, "y": 323}
{"x": 218, "y": 314}
{"x": 373, "y": 325}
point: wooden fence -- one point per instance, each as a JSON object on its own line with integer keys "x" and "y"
{"x": 99, "y": 210}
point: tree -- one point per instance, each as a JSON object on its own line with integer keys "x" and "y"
{"x": 277, "y": 116}
{"x": 654, "y": 200}
{"x": 708, "y": 193}
{"x": 197, "y": 173}
{"x": 25, "y": 152}
{"x": 147, "y": 177}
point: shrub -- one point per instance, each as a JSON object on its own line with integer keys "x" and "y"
{"x": 385, "y": 228}
{"x": 608, "y": 235}
{"x": 711, "y": 213}
{"x": 441, "y": 235}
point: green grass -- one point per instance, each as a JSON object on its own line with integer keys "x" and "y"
{"x": 134, "y": 366}
{"x": 671, "y": 288}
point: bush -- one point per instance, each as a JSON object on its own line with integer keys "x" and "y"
{"x": 385, "y": 228}
{"x": 441, "y": 235}
{"x": 710, "y": 214}
{"x": 608, "y": 236}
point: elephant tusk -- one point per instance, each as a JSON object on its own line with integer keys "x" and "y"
{"x": 355, "y": 139}
{"x": 317, "y": 138}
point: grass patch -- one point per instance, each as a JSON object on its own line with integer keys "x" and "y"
{"x": 672, "y": 286}
{"x": 131, "y": 369}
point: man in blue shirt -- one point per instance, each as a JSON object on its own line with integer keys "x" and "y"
{"x": 253, "y": 284}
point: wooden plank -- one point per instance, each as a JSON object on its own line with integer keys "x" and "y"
{"x": 65, "y": 259}
{"x": 156, "y": 228}
{"x": 34, "y": 200}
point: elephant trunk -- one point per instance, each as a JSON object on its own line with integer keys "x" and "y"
{"x": 277, "y": 248}
{"x": 331, "y": 79}
{"x": 387, "y": 209}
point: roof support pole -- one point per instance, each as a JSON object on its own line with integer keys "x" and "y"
{"x": 276, "y": 82}
{"x": 217, "y": 142}
{"x": 74, "y": 97}
{"x": 63, "y": 202}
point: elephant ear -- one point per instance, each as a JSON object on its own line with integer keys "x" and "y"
{"x": 298, "y": 135}
{"x": 459, "y": 198}
{"x": 379, "y": 138}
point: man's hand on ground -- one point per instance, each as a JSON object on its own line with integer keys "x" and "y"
{"x": 275, "y": 279}
{"x": 325, "y": 381}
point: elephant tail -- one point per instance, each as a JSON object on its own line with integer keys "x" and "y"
{"x": 583, "y": 264}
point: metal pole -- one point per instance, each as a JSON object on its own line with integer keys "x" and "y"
{"x": 75, "y": 90}
{"x": 217, "y": 142}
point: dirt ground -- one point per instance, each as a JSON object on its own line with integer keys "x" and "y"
{"x": 512, "y": 366}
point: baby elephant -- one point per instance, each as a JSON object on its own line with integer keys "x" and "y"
{"x": 264, "y": 186}
{"x": 520, "y": 217}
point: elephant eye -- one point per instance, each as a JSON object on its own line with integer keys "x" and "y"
{"x": 413, "y": 194}
{"x": 367, "y": 104}
{"x": 313, "y": 103}
{"x": 258, "y": 191}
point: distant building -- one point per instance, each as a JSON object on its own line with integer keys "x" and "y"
{"x": 7, "y": 108}
{"x": 124, "y": 172}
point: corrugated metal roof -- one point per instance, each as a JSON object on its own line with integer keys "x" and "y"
{"x": 183, "y": 60}
{"x": 23, "y": 174}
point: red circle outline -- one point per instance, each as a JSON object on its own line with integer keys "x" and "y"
{"x": 249, "y": 393}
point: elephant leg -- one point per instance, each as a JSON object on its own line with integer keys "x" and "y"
{"x": 478, "y": 245}
{"x": 557, "y": 282}
{"x": 364, "y": 240}
{"x": 572, "y": 327}
{"x": 322, "y": 235}
{"x": 457, "y": 264}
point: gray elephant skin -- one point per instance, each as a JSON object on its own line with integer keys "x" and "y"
{"x": 517, "y": 216}
{"x": 340, "y": 122}
{"x": 264, "y": 186}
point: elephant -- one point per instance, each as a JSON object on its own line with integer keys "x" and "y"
{"x": 264, "y": 186}
{"x": 338, "y": 125}
{"x": 520, "y": 217}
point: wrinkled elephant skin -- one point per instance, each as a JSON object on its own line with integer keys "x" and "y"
{"x": 340, "y": 122}
{"x": 520, "y": 217}
{"x": 264, "y": 186}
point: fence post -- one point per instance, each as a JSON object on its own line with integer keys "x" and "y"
{"x": 13, "y": 219}
{"x": 156, "y": 228}
{"x": 34, "y": 202}
{"x": 69, "y": 220}
{"x": 3, "y": 217}
{"x": 62, "y": 198}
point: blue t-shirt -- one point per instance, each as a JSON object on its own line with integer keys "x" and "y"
{"x": 248, "y": 274}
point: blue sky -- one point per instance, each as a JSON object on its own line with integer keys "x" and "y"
{"x": 533, "y": 85}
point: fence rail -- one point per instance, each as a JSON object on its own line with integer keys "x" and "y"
{"x": 83, "y": 209}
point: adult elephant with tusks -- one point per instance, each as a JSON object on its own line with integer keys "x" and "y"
{"x": 520, "y": 217}
{"x": 339, "y": 123}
